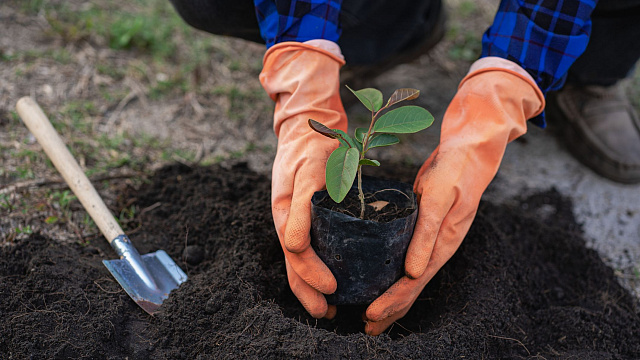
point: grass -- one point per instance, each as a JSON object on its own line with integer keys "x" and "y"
{"x": 60, "y": 55}
{"x": 127, "y": 217}
{"x": 162, "y": 88}
{"x": 178, "y": 154}
{"x": 111, "y": 70}
{"x": 100, "y": 151}
{"x": 238, "y": 98}
{"x": 26, "y": 230}
{"x": 5, "y": 202}
{"x": 233, "y": 155}
{"x": 157, "y": 40}
{"x": 465, "y": 42}
{"x": 60, "y": 202}
{"x": 32, "y": 6}
{"x": 62, "y": 199}
{"x": 125, "y": 48}
{"x": 75, "y": 117}
{"x": 149, "y": 27}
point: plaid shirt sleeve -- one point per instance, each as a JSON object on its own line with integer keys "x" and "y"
{"x": 298, "y": 20}
{"x": 544, "y": 37}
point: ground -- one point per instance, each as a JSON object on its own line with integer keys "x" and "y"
{"x": 523, "y": 285}
{"x": 132, "y": 89}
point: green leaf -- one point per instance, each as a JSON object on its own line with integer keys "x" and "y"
{"x": 371, "y": 98}
{"x": 383, "y": 140}
{"x": 369, "y": 162}
{"x": 402, "y": 95}
{"x": 359, "y": 134}
{"x": 51, "y": 220}
{"x": 344, "y": 138}
{"x": 404, "y": 120}
{"x": 322, "y": 129}
{"x": 358, "y": 146}
{"x": 342, "y": 167}
{"x": 344, "y": 143}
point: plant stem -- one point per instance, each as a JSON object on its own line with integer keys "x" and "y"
{"x": 360, "y": 193}
{"x": 365, "y": 143}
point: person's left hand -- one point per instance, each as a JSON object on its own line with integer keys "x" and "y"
{"x": 303, "y": 80}
{"x": 489, "y": 110}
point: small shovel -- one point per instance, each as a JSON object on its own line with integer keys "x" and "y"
{"x": 149, "y": 278}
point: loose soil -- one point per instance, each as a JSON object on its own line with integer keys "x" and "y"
{"x": 522, "y": 285}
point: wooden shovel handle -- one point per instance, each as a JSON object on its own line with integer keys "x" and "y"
{"x": 37, "y": 122}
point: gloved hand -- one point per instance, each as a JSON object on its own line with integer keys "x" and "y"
{"x": 489, "y": 110}
{"x": 303, "y": 80}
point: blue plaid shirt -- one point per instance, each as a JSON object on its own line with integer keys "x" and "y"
{"x": 298, "y": 20}
{"x": 544, "y": 37}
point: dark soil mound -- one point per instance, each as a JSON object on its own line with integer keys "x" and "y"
{"x": 523, "y": 285}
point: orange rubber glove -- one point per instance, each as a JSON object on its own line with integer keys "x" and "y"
{"x": 303, "y": 80}
{"x": 489, "y": 110}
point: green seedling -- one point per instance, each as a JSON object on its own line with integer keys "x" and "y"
{"x": 5, "y": 203}
{"x": 345, "y": 163}
{"x": 61, "y": 202}
{"x": 63, "y": 198}
{"x": 24, "y": 230}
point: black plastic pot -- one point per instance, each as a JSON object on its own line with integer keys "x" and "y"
{"x": 365, "y": 256}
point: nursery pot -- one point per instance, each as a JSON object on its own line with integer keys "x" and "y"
{"x": 365, "y": 256}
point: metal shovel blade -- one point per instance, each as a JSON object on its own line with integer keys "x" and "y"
{"x": 148, "y": 286}
{"x": 147, "y": 279}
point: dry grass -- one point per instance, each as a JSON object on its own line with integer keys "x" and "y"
{"x": 130, "y": 87}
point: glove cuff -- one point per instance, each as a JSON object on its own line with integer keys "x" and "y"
{"x": 325, "y": 47}
{"x": 303, "y": 80}
{"x": 493, "y": 63}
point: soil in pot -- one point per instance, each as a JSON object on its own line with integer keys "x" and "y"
{"x": 378, "y": 208}
{"x": 522, "y": 285}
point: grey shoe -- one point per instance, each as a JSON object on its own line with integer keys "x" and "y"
{"x": 601, "y": 129}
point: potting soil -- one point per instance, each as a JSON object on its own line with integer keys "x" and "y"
{"x": 522, "y": 285}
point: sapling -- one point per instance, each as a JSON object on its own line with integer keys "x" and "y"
{"x": 345, "y": 162}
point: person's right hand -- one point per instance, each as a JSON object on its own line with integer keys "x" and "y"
{"x": 303, "y": 80}
{"x": 489, "y": 110}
